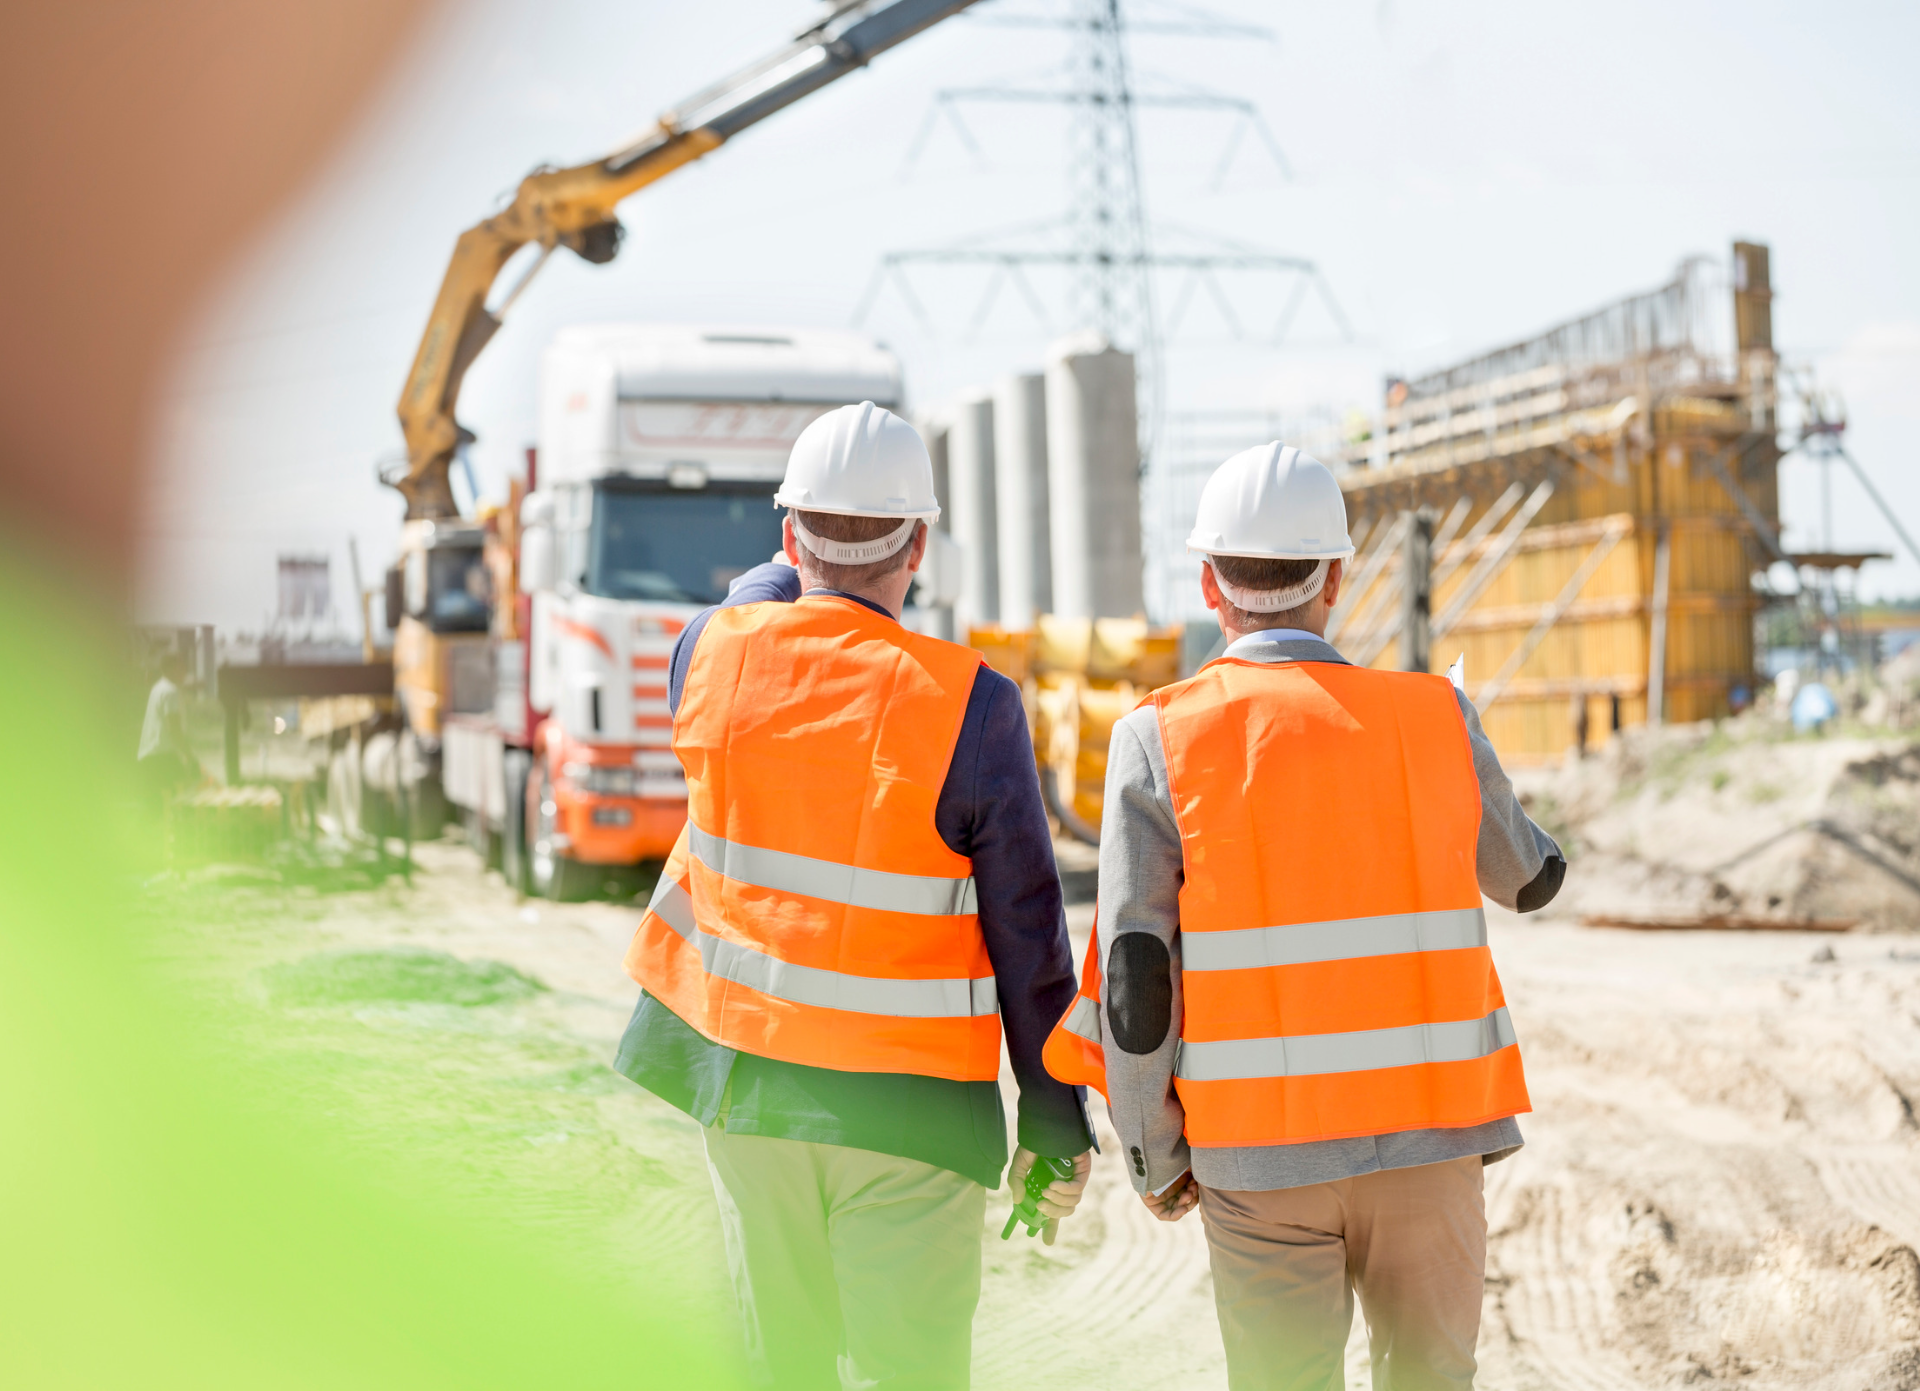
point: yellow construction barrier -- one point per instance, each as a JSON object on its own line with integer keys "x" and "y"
{"x": 1079, "y": 677}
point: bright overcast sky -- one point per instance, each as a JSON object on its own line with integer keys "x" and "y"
{"x": 1464, "y": 174}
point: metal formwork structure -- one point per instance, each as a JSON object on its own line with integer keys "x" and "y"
{"x": 1599, "y": 498}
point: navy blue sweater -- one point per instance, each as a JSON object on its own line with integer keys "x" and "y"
{"x": 990, "y": 811}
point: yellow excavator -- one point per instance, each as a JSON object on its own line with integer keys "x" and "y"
{"x": 439, "y": 597}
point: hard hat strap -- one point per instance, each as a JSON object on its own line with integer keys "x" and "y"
{"x": 852, "y": 552}
{"x": 1270, "y": 600}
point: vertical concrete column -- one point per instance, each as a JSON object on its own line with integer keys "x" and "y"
{"x": 1416, "y": 593}
{"x": 1657, "y": 636}
{"x": 1753, "y": 330}
{"x": 970, "y": 476}
{"x": 936, "y": 618}
{"x": 1093, "y": 468}
{"x": 1020, "y": 502}
{"x": 933, "y": 433}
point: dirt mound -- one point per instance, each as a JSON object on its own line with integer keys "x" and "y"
{"x": 1740, "y": 817}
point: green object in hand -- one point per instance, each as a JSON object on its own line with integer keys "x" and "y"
{"x": 1040, "y": 1178}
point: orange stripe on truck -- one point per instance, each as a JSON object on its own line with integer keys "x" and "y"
{"x": 580, "y": 631}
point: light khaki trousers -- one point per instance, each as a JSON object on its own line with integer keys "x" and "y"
{"x": 1286, "y": 1265}
{"x": 852, "y": 1269}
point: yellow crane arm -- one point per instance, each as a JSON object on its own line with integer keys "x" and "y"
{"x": 574, "y": 208}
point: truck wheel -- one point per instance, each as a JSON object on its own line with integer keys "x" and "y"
{"x": 344, "y": 791}
{"x": 473, "y": 830}
{"x": 553, "y": 875}
{"x": 513, "y": 830}
{"x": 426, "y": 804}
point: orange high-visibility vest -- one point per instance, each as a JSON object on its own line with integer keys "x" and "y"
{"x": 810, "y": 911}
{"x": 1334, "y": 957}
{"x": 1073, "y": 1050}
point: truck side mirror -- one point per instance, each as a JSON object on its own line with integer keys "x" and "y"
{"x": 537, "y": 560}
{"x": 396, "y": 597}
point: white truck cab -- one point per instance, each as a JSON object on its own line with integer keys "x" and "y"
{"x": 660, "y": 450}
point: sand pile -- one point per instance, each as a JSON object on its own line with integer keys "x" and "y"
{"x": 1741, "y": 817}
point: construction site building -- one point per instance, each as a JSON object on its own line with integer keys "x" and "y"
{"x": 1580, "y": 514}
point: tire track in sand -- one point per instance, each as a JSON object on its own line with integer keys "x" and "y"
{"x": 1555, "y": 1311}
{"x": 1114, "y": 1303}
{"x": 1880, "y": 1186}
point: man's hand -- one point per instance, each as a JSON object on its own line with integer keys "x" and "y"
{"x": 1061, "y": 1197}
{"x": 1174, "y": 1201}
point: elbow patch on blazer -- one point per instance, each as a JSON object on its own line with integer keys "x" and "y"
{"x": 1139, "y": 991}
{"x": 1545, "y": 885}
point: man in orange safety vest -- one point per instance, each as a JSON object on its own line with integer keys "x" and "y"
{"x": 1290, "y": 1004}
{"x": 863, "y": 902}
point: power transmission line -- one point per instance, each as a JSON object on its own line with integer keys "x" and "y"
{"x": 1105, "y": 240}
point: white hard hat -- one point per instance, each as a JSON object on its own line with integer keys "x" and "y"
{"x": 1272, "y": 502}
{"x": 859, "y": 461}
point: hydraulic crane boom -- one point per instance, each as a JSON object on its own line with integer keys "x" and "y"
{"x": 574, "y": 208}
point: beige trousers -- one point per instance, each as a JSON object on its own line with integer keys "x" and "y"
{"x": 1286, "y": 1264}
{"x": 852, "y": 1269}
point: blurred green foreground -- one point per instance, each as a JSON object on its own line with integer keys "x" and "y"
{"x": 186, "y": 1200}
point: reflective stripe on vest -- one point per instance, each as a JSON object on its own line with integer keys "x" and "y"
{"x": 1335, "y": 973}
{"x": 810, "y": 911}
{"x": 1073, "y": 1052}
{"x": 1345, "y": 939}
{"x": 808, "y": 985}
{"x": 858, "y": 888}
{"x": 1083, "y": 1019}
{"x": 1315, "y": 1055}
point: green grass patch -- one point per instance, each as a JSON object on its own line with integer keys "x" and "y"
{"x": 401, "y": 976}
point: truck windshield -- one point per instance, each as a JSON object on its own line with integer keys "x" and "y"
{"x": 458, "y": 590}
{"x": 652, "y": 541}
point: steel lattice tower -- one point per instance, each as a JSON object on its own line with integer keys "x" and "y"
{"x": 1102, "y": 240}
{"x": 1111, "y": 289}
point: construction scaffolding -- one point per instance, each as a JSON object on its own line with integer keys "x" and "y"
{"x": 1583, "y": 512}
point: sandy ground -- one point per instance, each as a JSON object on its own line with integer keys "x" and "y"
{"x": 1741, "y": 817}
{"x": 1721, "y": 1181}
